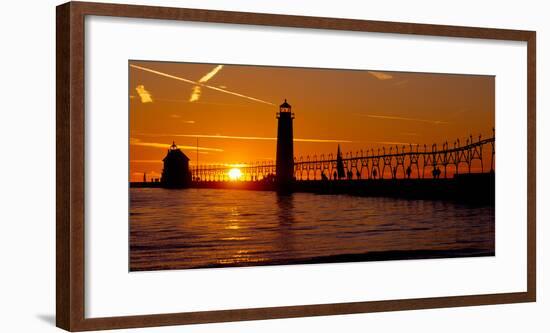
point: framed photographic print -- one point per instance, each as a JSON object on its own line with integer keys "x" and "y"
{"x": 222, "y": 166}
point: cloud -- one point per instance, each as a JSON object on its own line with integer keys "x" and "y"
{"x": 380, "y": 75}
{"x": 211, "y": 74}
{"x": 144, "y": 94}
{"x": 200, "y": 84}
{"x": 177, "y": 116}
{"x": 149, "y": 173}
{"x": 138, "y": 142}
{"x": 195, "y": 94}
{"x": 145, "y": 161}
{"x": 218, "y": 136}
{"x": 395, "y": 143}
{"x": 434, "y": 122}
{"x": 321, "y": 140}
{"x": 459, "y": 112}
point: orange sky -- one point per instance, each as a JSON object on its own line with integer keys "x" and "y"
{"x": 231, "y": 109}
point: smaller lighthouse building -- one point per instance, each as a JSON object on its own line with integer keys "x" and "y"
{"x": 175, "y": 173}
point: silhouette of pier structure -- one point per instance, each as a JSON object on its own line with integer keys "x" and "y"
{"x": 443, "y": 171}
{"x": 405, "y": 162}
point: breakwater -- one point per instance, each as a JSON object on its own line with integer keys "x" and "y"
{"x": 470, "y": 188}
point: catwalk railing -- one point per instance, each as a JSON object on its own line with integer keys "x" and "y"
{"x": 394, "y": 162}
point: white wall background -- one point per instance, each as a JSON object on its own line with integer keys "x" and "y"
{"x": 27, "y": 164}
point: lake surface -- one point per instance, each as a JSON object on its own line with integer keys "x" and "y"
{"x": 193, "y": 228}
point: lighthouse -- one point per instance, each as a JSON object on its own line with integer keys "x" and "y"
{"x": 285, "y": 148}
{"x": 175, "y": 173}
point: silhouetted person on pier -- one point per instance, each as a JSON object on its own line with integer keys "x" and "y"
{"x": 269, "y": 178}
{"x": 323, "y": 176}
{"x": 436, "y": 173}
{"x": 409, "y": 172}
{"x": 334, "y": 175}
{"x": 374, "y": 173}
{"x": 358, "y": 174}
{"x": 350, "y": 174}
{"x": 394, "y": 172}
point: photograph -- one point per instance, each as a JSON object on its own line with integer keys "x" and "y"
{"x": 234, "y": 165}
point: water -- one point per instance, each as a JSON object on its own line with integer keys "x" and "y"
{"x": 191, "y": 228}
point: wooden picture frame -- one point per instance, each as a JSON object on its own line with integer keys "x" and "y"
{"x": 70, "y": 195}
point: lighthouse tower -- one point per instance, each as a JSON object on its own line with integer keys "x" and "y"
{"x": 285, "y": 148}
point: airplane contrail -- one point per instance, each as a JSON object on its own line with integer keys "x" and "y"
{"x": 200, "y": 84}
{"x": 196, "y": 92}
{"x": 211, "y": 74}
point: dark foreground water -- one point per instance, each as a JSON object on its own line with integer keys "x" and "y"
{"x": 191, "y": 228}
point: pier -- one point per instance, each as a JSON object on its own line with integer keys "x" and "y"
{"x": 461, "y": 170}
{"x": 477, "y": 188}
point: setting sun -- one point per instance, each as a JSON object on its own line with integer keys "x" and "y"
{"x": 235, "y": 174}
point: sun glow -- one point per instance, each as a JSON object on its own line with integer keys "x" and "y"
{"x": 235, "y": 174}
